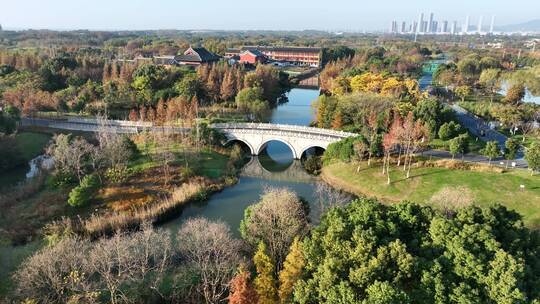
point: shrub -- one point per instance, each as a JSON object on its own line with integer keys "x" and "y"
{"x": 449, "y": 130}
{"x": 83, "y": 193}
{"x": 61, "y": 179}
{"x": 342, "y": 150}
{"x": 117, "y": 175}
{"x": 131, "y": 146}
{"x": 313, "y": 164}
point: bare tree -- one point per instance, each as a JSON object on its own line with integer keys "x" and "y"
{"x": 276, "y": 220}
{"x": 124, "y": 266}
{"x": 69, "y": 154}
{"x": 113, "y": 146}
{"x": 209, "y": 249}
{"x": 329, "y": 197}
{"x": 55, "y": 274}
{"x": 130, "y": 259}
{"x": 451, "y": 198}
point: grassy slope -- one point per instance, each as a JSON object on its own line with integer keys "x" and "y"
{"x": 31, "y": 144}
{"x": 488, "y": 188}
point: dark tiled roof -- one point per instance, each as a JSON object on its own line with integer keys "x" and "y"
{"x": 197, "y": 54}
{"x": 283, "y": 49}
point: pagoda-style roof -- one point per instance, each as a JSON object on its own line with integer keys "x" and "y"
{"x": 197, "y": 55}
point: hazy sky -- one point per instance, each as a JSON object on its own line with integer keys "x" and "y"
{"x": 251, "y": 15}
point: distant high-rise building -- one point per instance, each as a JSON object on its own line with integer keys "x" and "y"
{"x": 465, "y": 28}
{"x": 403, "y": 27}
{"x": 453, "y": 30}
{"x": 414, "y": 27}
{"x": 444, "y": 27}
{"x": 430, "y": 24}
{"x": 424, "y": 27}
{"x": 480, "y": 21}
{"x": 492, "y": 25}
{"x": 394, "y": 27}
{"x": 420, "y": 23}
{"x": 435, "y": 26}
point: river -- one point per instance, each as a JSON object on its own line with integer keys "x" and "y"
{"x": 278, "y": 170}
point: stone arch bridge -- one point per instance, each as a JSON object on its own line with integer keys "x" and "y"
{"x": 298, "y": 138}
{"x": 255, "y": 135}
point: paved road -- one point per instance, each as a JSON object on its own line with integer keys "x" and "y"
{"x": 476, "y": 125}
{"x": 475, "y": 158}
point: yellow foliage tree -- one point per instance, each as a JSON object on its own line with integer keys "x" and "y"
{"x": 265, "y": 283}
{"x": 292, "y": 270}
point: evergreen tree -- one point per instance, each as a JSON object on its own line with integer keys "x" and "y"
{"x": 292, "y": 270}
{"x": 265, "y": 283}
{"x": 491, "y": 150}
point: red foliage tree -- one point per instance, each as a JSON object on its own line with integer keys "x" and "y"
{"x": 242, "y": 292}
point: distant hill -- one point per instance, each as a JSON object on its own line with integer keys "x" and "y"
{"x": 529, "y": 26}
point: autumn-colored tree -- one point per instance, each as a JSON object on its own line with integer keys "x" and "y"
{"x": 241, "y": 289}
{"x": 463, "y": 91}
{"x": 106, "y": 73}
{"x": 161, "y": 112}
{"x": 337, "y": 123}
{"x": 142, "y": 113}
{"x": 265, "y": 283}
{"x": 228, "y": 86}
{"x": 292, "y": 270}
{"x": 515, "y": 93}
{"x": 151, "y": 114}
{"x": 133, "y": 115}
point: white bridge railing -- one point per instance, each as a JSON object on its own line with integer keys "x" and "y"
{"x": 283, "y": 128}
{"x": 124, "y": 126}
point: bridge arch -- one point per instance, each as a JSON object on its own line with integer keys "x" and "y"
{"x": 252, "y": 151}
{"x": 266, "y": 141}
{"x": 305, "y": 149}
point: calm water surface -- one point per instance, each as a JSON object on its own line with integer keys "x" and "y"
{"x": 277, "y": 165}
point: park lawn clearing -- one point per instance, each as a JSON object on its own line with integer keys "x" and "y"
{"x": 31, "y": 144}
{"x": 488, "y": 188}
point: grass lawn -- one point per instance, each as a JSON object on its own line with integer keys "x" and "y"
{"x": 207, "y": 163}
{"x": 31, "y": 144}
{"x": 488, "y": 188}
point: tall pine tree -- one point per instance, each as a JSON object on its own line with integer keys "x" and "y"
{"x": 291, "y": 272}
{"x": 265, "y": 283}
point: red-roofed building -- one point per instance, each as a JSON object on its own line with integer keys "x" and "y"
{"x": 252, "y": 57}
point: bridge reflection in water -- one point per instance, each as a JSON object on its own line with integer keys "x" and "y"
{"x": 294, "y": 172}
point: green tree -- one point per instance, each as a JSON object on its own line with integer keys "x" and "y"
{"x": 407, "y": 253}
{"x": 251, "y": 101}
{"x": 82, "y": 194}
{"x": 468, "y": 68}
{"x": 491, "y": 150}
{"x": 459, "y": 144}
{"x": 503, "y": 278}
{"x": 490, "y": 80}
{"x": 511, "y": 148}
{"x": 385, "y": 293}
{"x": 463, "y": 91}
{"x": 449, "y": 130}
{"x": 291, "y": 272}
{"x": 189, "y": 86}
{"x": 265, "y": 282}
{"x": 430, "y": 111}
{"x": 532, "y": 155}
